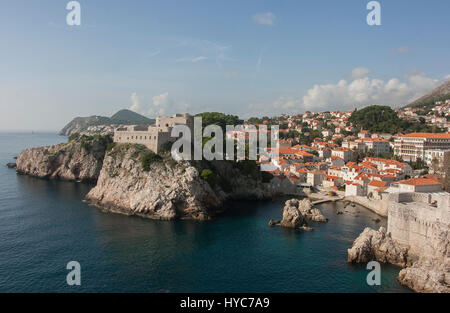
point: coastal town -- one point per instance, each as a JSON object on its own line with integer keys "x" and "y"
{"x": 358, "y": 162}
{"x": 326, "y": 151}
{"x": 225, "y": 155}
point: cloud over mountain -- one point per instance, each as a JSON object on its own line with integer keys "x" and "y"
{"x": 365, "y": 91}
{"x": 355, "y": 91}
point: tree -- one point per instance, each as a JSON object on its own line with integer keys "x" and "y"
{"x": 384, "y": 119}
{"x": 220, "y": 119}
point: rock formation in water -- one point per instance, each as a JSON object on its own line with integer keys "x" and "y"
{"x": 78, "y": 160}
{"x": 297, "y": 213}
{"x": 167, "y": 189}
{"x": 11, "y": 165}
{"x": 377, "y": 245}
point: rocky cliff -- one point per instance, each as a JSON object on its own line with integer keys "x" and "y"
{"x": 79, "y": 160}
{"x": 167, "y": 189}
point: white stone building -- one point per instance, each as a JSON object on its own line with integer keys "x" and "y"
{"x": 410, "y": 147}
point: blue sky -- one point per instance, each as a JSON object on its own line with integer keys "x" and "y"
{"x": 243, "y": 57}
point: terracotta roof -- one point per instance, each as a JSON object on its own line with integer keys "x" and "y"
{"x": 377, "y": 183}
{"x": 428, "y": 135}
{"x": 419, "y": 182}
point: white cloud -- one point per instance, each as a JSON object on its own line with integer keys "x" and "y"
{"x": 367, "y": 91}
{"x": 281, "y": 105}
{"x": 447, "y": 77}
{"x": 348, "y": 94}
{"x": 258, "y": 63}
{"x": 161, "y": 105}
{"x": 205, "y": 49}
{"x": 359, "y": 72}
{"x": 267, "y": 18}
{"x": 193, "y": 60}
{"x": 403, "y": 50}
{"x": 135, "y": 103}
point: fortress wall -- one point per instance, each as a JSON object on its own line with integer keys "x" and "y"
{"x": 416, "y": 223}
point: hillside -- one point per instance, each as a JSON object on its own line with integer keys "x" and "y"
{"x": 82, "y": 123}
{"x": 439, "y": 94}
{"x": 383, "y": 119}
{"x": 124, "y": 117}
{"x": 130, "y": 118}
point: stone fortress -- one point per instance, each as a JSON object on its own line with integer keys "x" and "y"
{"x": 153, "y": 136}
{"x": 421, "y": 221}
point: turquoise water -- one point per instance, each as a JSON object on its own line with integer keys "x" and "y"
{"x": 44, "y": 225}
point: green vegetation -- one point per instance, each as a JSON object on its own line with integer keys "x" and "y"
{"x": 220, "y": 119}
{"x": 307, "y": 136}
{"x": 130, "y": 118}
{"x": 376, "y": 118}
{"x": 418, "y": 164}
{"x": 383, "y": 119}
{"x": 87, "y": 141}
{"x": 212, "y": 178}
{"x": 110, "y": 146}
{"x": 256, "y": 120}
{"x": 249, "y": 168}
{"x": 266, "y": 177}
{"x": 291, "y": 134}
{"x": 147, "y": 158}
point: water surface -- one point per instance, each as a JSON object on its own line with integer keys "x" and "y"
{"x": 44, "y": 225}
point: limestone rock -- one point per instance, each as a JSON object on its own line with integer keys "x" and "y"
{"x": 377, "y": 245}
{"x": 274, "y": 223}
{"x": 292, "y": 217}
{"x": 78, "y": 161}
{"x": 311, "y": 213}
{"x": 429, "y": 272}
{"x": 169, "y": 190}
{"x": 427, "y": 276}
{"x": 297, "y": 213}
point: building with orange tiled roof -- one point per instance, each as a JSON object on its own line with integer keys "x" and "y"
{"x": 412, "y": 146}
{"x": 386, "y": 165}
{"x": 364, "y": 134}
{"x": 420, "y": 184}
{"x": 377, "y": 186}
{"x": 344, "y": 153}
{"x": 379, "y": 146}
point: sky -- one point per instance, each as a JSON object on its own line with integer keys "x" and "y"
{"x": 249, "y": 58}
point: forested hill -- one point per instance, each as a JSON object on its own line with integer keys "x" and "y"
{"x": 383, "y": 119}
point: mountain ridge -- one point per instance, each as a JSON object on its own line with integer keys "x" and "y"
{"x": 441, "y": 93}
{"x": 123, "y": 117}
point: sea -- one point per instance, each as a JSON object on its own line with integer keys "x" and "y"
{"x": 45, "y": 224}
